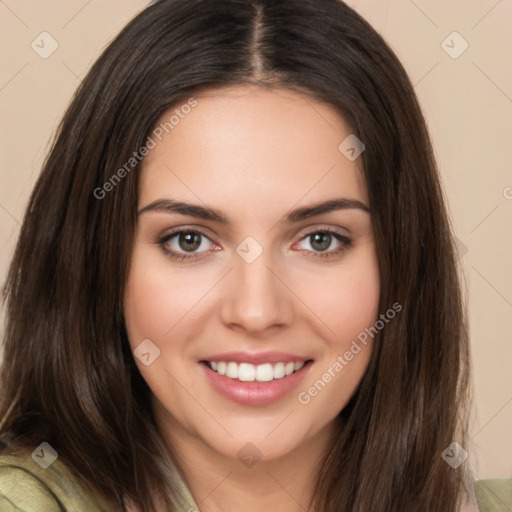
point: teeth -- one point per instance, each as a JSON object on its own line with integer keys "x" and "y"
{"x": 279, "y": 371}
{"x": 248, "y": 372}
{"x": 232, "y": 370}
{"x": 264, "y": 372}
{"x": 288, "y": 368}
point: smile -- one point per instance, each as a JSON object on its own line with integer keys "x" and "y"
{"x": 254, "y": 384}
{"x": 246, "y": 372}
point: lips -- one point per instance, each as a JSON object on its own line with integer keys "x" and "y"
{"x": 255, "y": 379}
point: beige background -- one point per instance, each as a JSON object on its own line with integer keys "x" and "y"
{"x": 467, "y": 101}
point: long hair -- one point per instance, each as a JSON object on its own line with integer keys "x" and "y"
{"x": 69, "y": 377}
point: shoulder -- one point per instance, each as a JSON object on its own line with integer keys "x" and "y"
{"x": 26, "y": 486}
{"x": 494, "y": 495}
{"x": 21, "y": 492}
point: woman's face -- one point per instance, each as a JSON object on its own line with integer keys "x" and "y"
{"x": 238, "y": 266}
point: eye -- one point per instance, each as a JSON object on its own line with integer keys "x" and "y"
{"x": 185, "y": 244}
{"x": 325, "y": 243}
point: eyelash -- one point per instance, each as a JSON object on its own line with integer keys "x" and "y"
{"x": 345, "y": 243}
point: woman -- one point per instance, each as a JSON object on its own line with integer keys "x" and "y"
{"x": 235, "y": 284}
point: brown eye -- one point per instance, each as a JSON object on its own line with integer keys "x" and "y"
{"x": 189, "y": 241}
{"x": 325, "y": 243}
{"x": 320, "y": 241}
{"x": 185, "y": 244}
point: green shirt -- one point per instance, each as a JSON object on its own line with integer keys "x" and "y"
{"x": 494, "y": 495}
{"x": 27, "y": 487}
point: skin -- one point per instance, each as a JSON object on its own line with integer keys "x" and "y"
{"x": 254, "y": 155}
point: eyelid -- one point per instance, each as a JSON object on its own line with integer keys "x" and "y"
{"x": 184, "y": 229}
{"x": 314, "y": 228}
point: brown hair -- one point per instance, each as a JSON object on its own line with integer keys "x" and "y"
{"x": 69, "y": 377}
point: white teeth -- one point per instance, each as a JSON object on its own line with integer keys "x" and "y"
{"x": 279, "y": 371}
{"x": 232, "y": 370}
{"x": 264, "y": 372}
{"x": 248, "y": 372}
{"x": 288, "y": 369}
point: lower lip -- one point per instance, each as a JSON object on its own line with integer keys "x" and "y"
{"x": 255, "y": 393}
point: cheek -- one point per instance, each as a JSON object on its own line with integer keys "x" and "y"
{"x": 349, "y": 306}
{"x": 157, "y": 306}
{"x": 346, "y": 301}
{"x": 146, "y": 307}
{"x": 157, "y": 300}
{"x": 356, "y": 307}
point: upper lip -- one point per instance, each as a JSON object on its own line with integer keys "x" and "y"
{"x": 257, "y": 358}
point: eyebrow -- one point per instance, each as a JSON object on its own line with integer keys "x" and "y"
{"x": 206, "y": 213}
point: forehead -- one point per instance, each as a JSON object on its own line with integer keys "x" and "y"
{"x": 246, "y": 146}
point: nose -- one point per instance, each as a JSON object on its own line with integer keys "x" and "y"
{"x": 255, "y": 298}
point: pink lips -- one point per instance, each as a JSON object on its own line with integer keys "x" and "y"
{"x": 255, "y": 393}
